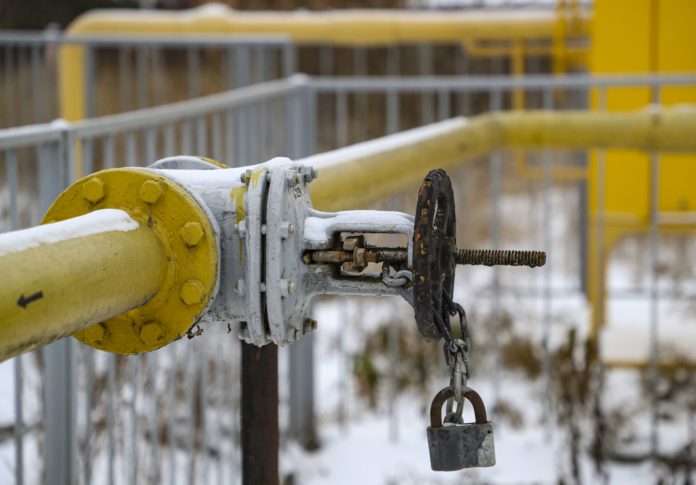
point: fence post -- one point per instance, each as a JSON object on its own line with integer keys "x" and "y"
{"x": 59, "y": 420}
{"x": 59, "y": 357}
{"x": 301, "y": 354}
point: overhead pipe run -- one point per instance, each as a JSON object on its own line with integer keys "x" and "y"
{"x": 343, "y": 28}
{"x": 369, "y": 171}
{"x": 337, "y": 27}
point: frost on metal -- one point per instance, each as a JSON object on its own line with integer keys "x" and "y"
{"x": 319, "y": 227}
{"x": 97, "y": 222}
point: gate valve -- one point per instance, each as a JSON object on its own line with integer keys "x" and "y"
{"x": 282, "y": 253}
{"x": 245, "y": 245}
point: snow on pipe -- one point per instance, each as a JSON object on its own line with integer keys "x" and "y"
{"x": 127, "y": 262}
{"x": 62, "y": 277}
{"x": 366, "y": 172}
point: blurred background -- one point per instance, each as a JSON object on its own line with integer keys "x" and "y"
{"x": 585, "y": 364}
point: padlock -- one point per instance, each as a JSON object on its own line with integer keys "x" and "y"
{"x": 456, "y": 446}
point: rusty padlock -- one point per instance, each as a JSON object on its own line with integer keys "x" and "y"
{"x": 456, "y": 446}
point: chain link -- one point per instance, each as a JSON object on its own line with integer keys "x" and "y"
{"x": 456, "y": 352}
{"x": 400, "y": 278}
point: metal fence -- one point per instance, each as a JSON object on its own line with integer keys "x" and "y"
{"x": 122, "y": 73}
{"x": 127, "y": 73}
{"x": 181, "y": 420}
{"x": 170, "y": 416}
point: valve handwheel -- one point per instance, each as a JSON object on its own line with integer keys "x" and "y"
{"x": 434, "y": 244}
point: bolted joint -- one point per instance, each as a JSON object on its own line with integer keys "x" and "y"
{"x": 308, "y": 173}
{"x": 287, "y": 229}
{"x": 246, "y": 176}
{"x": 241, "y": 229}
{"x": 292, "y": 178}
{"x": 192, "y": 292}
{"x": 309, "y": 325}
{"x": 150, "y": 191}
{"x": 94, "y": 190}
{"x": 286, "y": 287}
{"x": 95, "y": 333}
{"x": 191, "y": 233}
{"x": 151, "y": 333}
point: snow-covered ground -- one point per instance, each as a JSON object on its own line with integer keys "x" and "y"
{"x": 376, "y": 446}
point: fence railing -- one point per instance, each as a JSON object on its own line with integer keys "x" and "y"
{"x": 222, "y": 126}
{"x": 126, "y": 73}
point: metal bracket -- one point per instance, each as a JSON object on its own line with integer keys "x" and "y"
{"x": 280, "y": 227}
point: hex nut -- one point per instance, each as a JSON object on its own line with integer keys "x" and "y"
{"x": 93, "y": 190}
{"x": 191, "y": 233}
{"x": 192, "y": 292}
{"x": 241, "y": 228}
{"x": 151, "y": 333}
{"x": 286, "y": 229}
{"x": 246, "y": 176}
{"x": 150, "y": 191}
{"x": 95, "y": 333}
{"x": 292, "y": 178}
{"x": 308, "y": 173}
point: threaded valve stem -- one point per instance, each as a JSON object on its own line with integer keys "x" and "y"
{"x": 500, "y": 257}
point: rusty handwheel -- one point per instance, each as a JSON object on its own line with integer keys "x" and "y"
{"x": 434, "y": 244}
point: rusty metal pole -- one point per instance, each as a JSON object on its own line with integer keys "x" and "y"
{"x": 259, "y": 415}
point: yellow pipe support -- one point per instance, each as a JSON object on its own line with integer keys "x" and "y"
{"x": 359, "y": 175}
{"x": 67, "y": 276}
{"x": 338, "y": 28}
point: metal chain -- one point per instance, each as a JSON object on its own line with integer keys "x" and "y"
{"x": 456, "y": 352}
{"x": 400, "y": 278}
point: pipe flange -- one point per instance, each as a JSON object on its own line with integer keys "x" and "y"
{"x": 189, "y": 238}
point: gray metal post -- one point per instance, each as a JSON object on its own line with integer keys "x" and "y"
{"x": 59, "y": 416}
{"x": 11, "y": 176}
{"x": 301, "y": 375}
{"x": 59, "y": 357}
{"x": 193, "y": 68}
{"x": 142, "y": 73}
{"x": 301, "y": 354}
{"x": 548, "y": 104}
{"x": 496, "y": 194}
{"x": 90, "y": 76}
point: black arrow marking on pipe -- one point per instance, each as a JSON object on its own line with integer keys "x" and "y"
{"x": 24, "y": 301}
